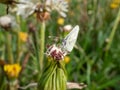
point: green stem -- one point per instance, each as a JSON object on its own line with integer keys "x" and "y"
{"x": 36, "y": 47}
{"x": 9, "y": 47}
{"x": 42, "y": 43}
{"x": 88, "y": 73}
{"x": 18, "y": 48}
{"x": 18, "y": 39}
{"x": 113, "y": 31}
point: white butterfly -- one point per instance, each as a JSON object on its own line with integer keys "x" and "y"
{"x": 70, "y": 40}
{"x": 58, "y": 52}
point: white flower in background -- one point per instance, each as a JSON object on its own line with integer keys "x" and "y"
{"x": 25, "y": 9}
{"x": 7, "y": 21}
{"x": 67, "y": 28}
{"x": 59, "y": 5}
{"x": 32, "y": 6}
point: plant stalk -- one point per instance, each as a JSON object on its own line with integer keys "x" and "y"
{"x": 18, "y": 48}
{"x": 18, "y": 39}
{"x": 113, "y": 31}
{"x": 9, "y": 47}
{"x": 42, "y": 44}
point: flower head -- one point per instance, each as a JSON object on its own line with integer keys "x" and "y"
{"x": 55, "y": 52}
{"x": 115, "y": 4}
{"x": 60, "y": 21}
{"x": 42, "y": 10}
{"x": 59, "y": 5}
{"x": 7, "y": 21}
{"x": 67, "y": 59}
{"x": 30, "y": 8}
{"x": 12, "y": 70}
{"x": 23, "y": 36}
{"x": 41, "y": 13}
{"x": 26, "y": 9}
{"x": 67, "y": 28}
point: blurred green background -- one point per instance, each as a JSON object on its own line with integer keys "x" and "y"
{"x": 90, "y": 61}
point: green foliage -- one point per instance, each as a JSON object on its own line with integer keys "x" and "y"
{"x": 90, "y": 62}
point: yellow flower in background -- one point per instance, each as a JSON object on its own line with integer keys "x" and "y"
{"x": 116, "y": 1}
{"x": 60, "y": 21}
{"x": 115, "y": 4}
{"x": 67, "y": 59}
{"x": 12, "y": 70}
{"x": 23, "y": 36}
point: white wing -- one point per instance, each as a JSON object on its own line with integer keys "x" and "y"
{"x": 69, "y": 41}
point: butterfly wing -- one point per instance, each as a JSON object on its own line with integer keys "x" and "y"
{"x": 69, "y": 41}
